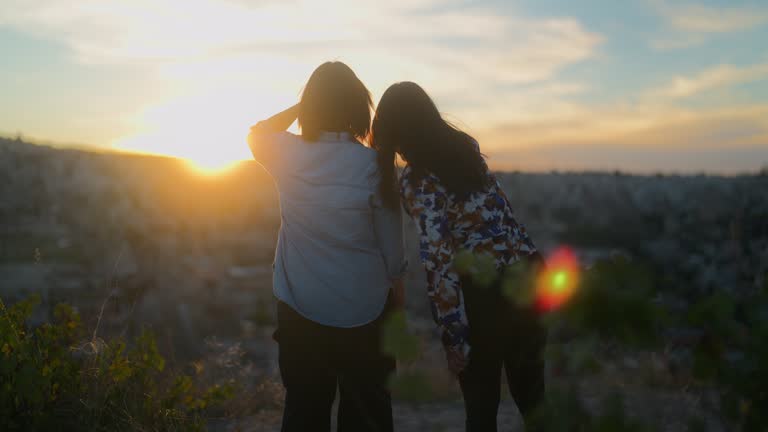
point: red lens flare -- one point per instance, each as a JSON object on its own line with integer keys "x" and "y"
{"x": 558, "y": 283}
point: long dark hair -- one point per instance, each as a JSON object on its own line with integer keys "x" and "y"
{"x": 408, "y": 123}
{"x": 334, "y": 100}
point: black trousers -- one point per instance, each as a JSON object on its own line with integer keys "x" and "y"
{"x": 501, "y": 335}
{"x": 316, "y": 359}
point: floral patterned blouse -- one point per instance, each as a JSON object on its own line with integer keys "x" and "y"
{"x": 481, "y": 224}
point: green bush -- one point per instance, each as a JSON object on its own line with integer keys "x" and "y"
{"x": 564, "y": 412}
{"x": 733, "y": 353}
{"x": 51, "y": 380}
{"x": 730, "y": 354}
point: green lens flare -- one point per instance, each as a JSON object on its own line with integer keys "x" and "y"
{"x": 559, "y": 280}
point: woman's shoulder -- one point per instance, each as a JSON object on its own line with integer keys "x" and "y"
{"x": 420, "y": 176}
{"x": 356, "y": 154}
{"x": 409, "y": 178}
{"x": 422, "y": 183}
{"x": 363, "y": 150}
{"x": 344, "y": 151}
{"x": 275, "y": 136}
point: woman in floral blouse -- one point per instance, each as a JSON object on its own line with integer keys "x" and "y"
{"x": 459, "y": 207}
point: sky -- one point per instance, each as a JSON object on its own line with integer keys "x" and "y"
{"x": 633, "y": 85}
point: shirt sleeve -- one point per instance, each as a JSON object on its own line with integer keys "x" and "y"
{"x": 271, "y": 149}
{"x": 427, "y": 204}
{"x": 388, "y": 227}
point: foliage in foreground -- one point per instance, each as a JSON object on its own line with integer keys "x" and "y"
{"x": 50, "y": 380}
{"x": 616, "y": 305}
{"x": 727, "y": 349}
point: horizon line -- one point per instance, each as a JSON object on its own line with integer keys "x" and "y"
{"x": 763, "y": 171}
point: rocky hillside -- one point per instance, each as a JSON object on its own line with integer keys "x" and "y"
{"x": 169, "y": 247}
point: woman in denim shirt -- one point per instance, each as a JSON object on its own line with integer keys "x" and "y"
{"x": 339, "y": 254}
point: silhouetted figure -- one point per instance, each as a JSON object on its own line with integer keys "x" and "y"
{"x": 339, "y": 252}
{"x": 458, "y": 205}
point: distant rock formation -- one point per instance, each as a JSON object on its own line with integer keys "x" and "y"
{"x": 146, "y": 237}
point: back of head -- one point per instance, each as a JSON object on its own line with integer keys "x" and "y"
{"x": 334, "y": 100}
{"x": 408, "y": 122}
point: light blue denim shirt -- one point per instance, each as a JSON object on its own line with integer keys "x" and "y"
{"x": 338, "y": 249}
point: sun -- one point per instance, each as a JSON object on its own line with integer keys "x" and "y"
{"x": 206, "y": 121}
{"x": 205, "y": 153}
{"x": 209, "y": 168}
{"x": 209, "y": 133}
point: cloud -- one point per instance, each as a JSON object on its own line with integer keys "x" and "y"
{"x": 635, "y": 138}
{"x": 642, "y": 124}
{"x": 712, "y": 78}
{"x": 709, "y": 19}
{"x": 230, "y": 62}
{"x": 692, "y": 24}
{"x": 647, "y": 132}
{"x": 417, "y": 35}
{"x": 270, "y": 46}
{"x": 641, "y": 160}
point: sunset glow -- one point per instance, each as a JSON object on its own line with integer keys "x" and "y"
{"x": 639, "y": 86}
{"x": 207, "y": 130}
